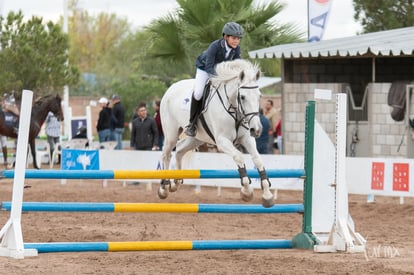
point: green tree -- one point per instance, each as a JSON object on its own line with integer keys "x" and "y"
{"x": 383, "y": 15}
{"x": 107, "y": 54}
{"x": 92, "y": 43}
{"x": 33, "y": 56}
{"x": 179, "y": 37}
{"x": 135, "y": 90}
{"x": 92, "y": 38}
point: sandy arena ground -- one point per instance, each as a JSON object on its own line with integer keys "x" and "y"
{"x": 387, "y": 225}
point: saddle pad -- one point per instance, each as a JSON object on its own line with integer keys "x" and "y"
{"x": 10, "y": 119}
{"x": 186, "y": 103}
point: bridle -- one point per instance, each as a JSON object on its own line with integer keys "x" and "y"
{"x": 241, "y": 109}
{"x": 238, "y": 113}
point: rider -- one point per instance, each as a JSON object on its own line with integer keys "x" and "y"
{"x": 9, "y": 104}
{"x": 224, "y": 49}
{"x": 11, "y": 112}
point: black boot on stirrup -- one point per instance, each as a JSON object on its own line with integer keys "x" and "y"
{"x": 195, "y": 111}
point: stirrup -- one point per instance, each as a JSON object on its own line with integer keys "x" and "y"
{"x": 191, "y": 130}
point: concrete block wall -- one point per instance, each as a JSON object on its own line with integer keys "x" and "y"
{"x": 388, "y": 137}
{"x": 295, "y": 99}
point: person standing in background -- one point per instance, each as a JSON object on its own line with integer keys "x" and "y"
{"x": 117, "y": 121}
{"x": 157, "y": 117}
{"x": 262, "y": 142}
{"x": 144, "y": 132}
{"x": 272, "y": 115}
{"x": 141, "y": 104}
{"x": 103, "y": 125}
{"x": 53, "y": 131}
{"x": 11, "y": 112}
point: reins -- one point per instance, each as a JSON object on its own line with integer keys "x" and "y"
{"x": 236, "y": 111}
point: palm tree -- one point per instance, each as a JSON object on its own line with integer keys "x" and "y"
{"x": 178, "y": 38}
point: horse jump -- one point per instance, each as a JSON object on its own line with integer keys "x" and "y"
{"x": 158, "y": 245}
{"x": 9, "y": 244}
{"x": 151, "y": 174}
{"x": 154, "y": 207}
{"x": 306, "y": 239}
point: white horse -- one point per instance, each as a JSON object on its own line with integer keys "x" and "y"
{"x": 230, "y": 117}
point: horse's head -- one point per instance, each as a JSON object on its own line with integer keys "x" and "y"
{"x": 55, "y": 106}
{"x": 241, "y": 76}
{"x": 248, "y": 98}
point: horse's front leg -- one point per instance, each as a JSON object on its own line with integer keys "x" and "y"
{"x": 227, "y": 147}
{"x": 33, "y": 149}
{"x": 268, "y": 199}
{"x": 246, "y": 192}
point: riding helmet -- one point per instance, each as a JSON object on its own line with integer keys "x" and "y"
{"x": 233, "y": 29}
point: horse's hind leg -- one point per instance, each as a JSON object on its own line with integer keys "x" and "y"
{"x": 166, "y": 160}
{"x": 183, "y": 146}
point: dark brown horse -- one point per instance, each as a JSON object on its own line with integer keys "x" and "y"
{"x": 40, "y": 109}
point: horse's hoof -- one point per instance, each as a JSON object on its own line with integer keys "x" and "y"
{"x": 162, "y": 193}
{"x": 173, "y": 187}
{"x": 268, "y": 202}
{"x": 275, "y": 195}
{"x": 268, "y": 199}
{"x": 175, "y": 184}
{"x": 246, "y": 196}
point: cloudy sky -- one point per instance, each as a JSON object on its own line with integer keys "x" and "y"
{"x": 141, "y": 12}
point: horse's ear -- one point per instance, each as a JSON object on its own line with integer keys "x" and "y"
{"x": 241, "y": 75}
{"x": 258, "y": 74}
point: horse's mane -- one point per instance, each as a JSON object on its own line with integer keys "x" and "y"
{"x": 229, "y": 70}
{"x": 38, "y": 101}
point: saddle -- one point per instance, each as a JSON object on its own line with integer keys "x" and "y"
{"x": 10, "y": 119}
{"x": 205, "y": 102}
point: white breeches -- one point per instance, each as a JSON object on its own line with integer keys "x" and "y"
{"x": 201, "y": 79}
{"x": 3, "y": 141}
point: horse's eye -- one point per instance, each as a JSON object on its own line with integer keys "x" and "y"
{"x": 242, "y": 97}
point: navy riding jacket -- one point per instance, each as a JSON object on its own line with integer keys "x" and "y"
{"x": 215, "y": 53}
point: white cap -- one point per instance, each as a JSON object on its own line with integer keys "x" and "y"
{"x": 103, "y": 100}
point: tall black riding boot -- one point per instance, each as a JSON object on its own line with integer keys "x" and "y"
{"x": 196, "y": 106}
{"x": 4, "y": 149}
